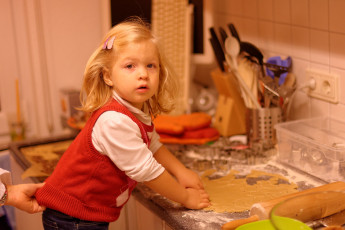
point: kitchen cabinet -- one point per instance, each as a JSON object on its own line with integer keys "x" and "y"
{"x": 142, "y": 218}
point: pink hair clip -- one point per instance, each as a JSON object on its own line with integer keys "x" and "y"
{"x": 108, "y": 44}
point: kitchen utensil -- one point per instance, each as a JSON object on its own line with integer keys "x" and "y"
{"x": 277, "y": 69}
{"x": 278, "y": 95}
{"x": 217, "y": 48}
{"x": 252, "y": 52}
{"x": 232, "y": 48}
{"x": 332, "y": 220}
{"x": 336, "y": 227}
{"x": 231, "y": 52}
{"x": 263, "y": 209}
{"x": 260, "y": 125}
{"x": 223, "y": 34}
{"x": 247, "y": 47}
{"x": 308, "y": 207}
{"x": 249, "y": 75}
{"x": 218, "y": 53}
{"x": 234, "y": 32}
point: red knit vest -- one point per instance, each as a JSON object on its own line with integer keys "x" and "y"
{"x": 85, "y": 183}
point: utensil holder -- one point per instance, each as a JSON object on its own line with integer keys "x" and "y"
{"x": 260, "y": 125}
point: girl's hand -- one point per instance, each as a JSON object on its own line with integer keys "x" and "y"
{"x": 189, "y": 179}
{"x": 197, "y": 199}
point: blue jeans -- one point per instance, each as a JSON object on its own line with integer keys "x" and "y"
{"x": 54, "y": 220}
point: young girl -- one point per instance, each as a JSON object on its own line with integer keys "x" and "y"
{"x": 126, "y": 82}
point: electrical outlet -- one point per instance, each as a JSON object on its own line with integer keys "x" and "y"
{"x": 326, "y": 87}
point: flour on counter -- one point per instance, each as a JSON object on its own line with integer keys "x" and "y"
{"x": 205, "y": 218}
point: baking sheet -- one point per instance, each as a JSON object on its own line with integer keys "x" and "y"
{"x": 39, "y": 157}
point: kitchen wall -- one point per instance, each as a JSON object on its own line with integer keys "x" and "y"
{"x": 312, "y": 32}
{"x": 45, "y": 44}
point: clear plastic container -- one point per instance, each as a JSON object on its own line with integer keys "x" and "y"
{"x": 315, "y": 146}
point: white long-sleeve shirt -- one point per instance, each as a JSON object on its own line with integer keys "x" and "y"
{"x": 5, "y": 179}
{"x": 118, "y": 137}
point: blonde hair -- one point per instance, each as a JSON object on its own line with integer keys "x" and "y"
{"x": 96, "y": 93}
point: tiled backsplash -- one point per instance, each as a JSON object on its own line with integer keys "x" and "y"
{"x": 312, "y": 32}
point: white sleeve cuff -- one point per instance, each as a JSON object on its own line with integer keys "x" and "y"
{"x": 5, "y": 176}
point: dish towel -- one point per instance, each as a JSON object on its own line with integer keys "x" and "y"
{"x": 194, "y": 128}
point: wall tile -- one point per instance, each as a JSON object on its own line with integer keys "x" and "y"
{"x": 318, "y": 12}
{"x": 250, "y": 31}
{"x": 319, "y": 108}
{"x": 250, "y": 8}
{"x": 282, "y": 11}
{"x": 235, "y": 7}
{"x": 299, "y": 68}
{"x": 219, "y": 6}
{"x": 319, "y": 67}
{"x": 282, "y": 39}
{"x": 337, "y": 112}
{"x": 300, "y": 107}
{"x": 266, "y": 9}
{"x": 336, "y": 16}
{"x": 266, "y": 34}
{"x": 337, "y": 50}
{"x": 300, "y": 42}
{"x": 319, "y": 46}
{"x": 222, "y": 20}
{"x": 300, "y": 12}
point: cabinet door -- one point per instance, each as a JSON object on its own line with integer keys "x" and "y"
{"x": 141, "y": 218}
{"x": 146, "y": 219}
{"x": 120, "y": 223}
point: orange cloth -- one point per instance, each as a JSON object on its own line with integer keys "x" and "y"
{"x": 195, "y": 137}
{"x": 176, "y": 125}
{"x": 191, "y": 128}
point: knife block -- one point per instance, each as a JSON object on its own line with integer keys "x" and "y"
{"x": 230, "y": 118}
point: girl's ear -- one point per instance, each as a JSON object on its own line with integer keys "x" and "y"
{"x": 107, "y": 78}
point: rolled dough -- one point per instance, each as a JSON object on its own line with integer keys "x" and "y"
{"x": 237, "y": 193}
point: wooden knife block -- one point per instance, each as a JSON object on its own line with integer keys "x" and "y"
{"x": 230, "y": 118}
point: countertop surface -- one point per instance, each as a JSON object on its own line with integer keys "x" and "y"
{"x": 195, "y": 157}
{"x": 179, "y": 217}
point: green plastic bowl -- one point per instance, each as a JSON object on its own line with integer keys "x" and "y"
{"x": 288, "y": 223}
{"x": 261, "y": 224}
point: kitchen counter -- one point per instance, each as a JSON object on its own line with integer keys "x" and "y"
{"x": 179, "y": 217}
{"x": 176, "y": 216}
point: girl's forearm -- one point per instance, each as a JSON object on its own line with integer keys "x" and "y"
{"x": 167, "y": 186}
{"x": 169, "y": 161}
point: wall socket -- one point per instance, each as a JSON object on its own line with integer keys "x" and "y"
{"x": 326, "y": 87}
